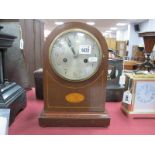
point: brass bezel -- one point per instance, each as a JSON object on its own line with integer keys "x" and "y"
{"x": 76, "y": 30}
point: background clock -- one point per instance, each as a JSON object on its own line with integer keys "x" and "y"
{"x": 75, "y": 75}
{"x": 141, "y": 88}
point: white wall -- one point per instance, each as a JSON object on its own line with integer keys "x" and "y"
{"x": 119, "y": 35}
{"x": 148, "y": 25}
{"x": 133, "y": 39}
{"x": 122, "y": 35}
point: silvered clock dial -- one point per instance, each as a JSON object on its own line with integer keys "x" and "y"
{"x": 75, "y": 55}
{"x": 145, "y": 93}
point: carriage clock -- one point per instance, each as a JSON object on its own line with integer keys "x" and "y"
{"x": 75, "y": 75}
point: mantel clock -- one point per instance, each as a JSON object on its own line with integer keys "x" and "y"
{"x": 75, "y": 75}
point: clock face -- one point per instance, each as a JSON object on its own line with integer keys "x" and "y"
{"x": 75, "y": 55}
{"x": 145, "y": 95}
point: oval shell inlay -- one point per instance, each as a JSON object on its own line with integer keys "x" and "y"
{"x": 74, "y": 97}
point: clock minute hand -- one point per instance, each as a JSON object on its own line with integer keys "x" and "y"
{"x": 70, "y": 45}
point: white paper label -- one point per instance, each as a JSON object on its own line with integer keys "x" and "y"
{"x": 122, "y": 79}
{"x": 127, "y": 97}
{"x": 21, "y": 44}
{"x": 84, "y": 49}
{"x": 92, "y": 59}
{"x": 3, "y": 125}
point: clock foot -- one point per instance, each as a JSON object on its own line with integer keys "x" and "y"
{"x": 74, "y": 119}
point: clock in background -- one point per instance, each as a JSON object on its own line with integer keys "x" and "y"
{"x": 140, "y": 88}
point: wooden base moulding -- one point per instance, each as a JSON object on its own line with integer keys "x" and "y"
{"x": 74, "y": 119}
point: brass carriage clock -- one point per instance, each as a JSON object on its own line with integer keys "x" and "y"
{"x": 75, "y": 75}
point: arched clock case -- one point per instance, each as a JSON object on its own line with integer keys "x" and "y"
{"x": 75, "y": 63}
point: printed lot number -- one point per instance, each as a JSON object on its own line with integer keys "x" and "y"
{"x": 84, "y": 49}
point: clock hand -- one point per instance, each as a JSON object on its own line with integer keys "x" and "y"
{"x": 70, "y": 45}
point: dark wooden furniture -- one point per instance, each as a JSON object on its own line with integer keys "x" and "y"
{"x": 31, "y": 57}
{"x": 33, "y": 36}
{"x": 12, "y": 96}
{"x": 114, "y": 91}
{"x": 130, "y": 64}
{"x": 90, "y": 110}
{"x": 149, "y": 41}
{"x": 38, "y": 80}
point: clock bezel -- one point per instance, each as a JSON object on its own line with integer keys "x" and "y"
{"x": 101, "y": 55}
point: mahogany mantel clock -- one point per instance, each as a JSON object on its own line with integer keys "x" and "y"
{"x": 75, "y": 75}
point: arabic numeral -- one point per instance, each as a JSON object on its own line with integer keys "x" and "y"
{"x": 85, "y": 50}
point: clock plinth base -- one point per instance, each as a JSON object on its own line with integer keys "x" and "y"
{"x": 74, "y": 119}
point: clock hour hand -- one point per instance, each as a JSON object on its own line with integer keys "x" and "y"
{"x": 70, "y": 45}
